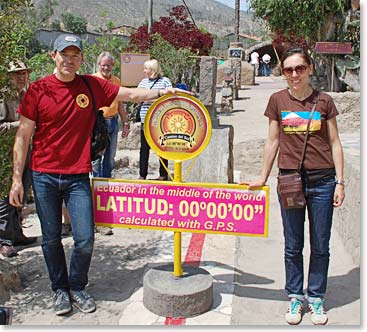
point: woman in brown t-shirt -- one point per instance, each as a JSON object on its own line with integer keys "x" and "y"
{"x": 322, "y": 175}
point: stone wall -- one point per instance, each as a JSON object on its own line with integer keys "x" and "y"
{"x": 347, "y": 218}
{"x": 247, "y": 72}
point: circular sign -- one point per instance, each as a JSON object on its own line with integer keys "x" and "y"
{"x": 177, "y": 127}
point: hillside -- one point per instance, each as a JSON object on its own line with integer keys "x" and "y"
{"x": 215, "y": 17}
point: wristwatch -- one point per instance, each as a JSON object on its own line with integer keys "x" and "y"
{"x": 342, "y": 182}
{"x": 126, "y": 123}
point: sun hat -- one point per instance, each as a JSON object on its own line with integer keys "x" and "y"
{"x": 17, "y": 65}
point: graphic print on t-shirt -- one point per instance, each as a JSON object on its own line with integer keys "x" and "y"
{"x": 296, "y": 122}
{"x": 82, "y": 100}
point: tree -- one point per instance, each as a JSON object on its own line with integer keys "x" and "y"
{"x": 74, "y": 23}
{"x": 14, "y": 36}
{"x": 113, "y": 44}
{"x": 177, "y": 30}
{"x": 176, "y": 63}
{"x": 42, "y": 65}
{"x": 311, "y": 19}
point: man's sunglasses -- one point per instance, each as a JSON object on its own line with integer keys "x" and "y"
{"x": 300, "y": 69}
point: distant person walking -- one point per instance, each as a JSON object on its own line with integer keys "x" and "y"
{"x": 322, "y": 177}
{"x": 255, "y": 62}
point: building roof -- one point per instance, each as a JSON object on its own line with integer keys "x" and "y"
{"x": 244, "y": 35}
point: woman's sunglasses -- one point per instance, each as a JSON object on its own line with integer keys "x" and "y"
{"x": 300, "y": 69}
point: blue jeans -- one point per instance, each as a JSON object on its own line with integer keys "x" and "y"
{"x": 102, "y": 168}
{"x": 50, "y": 190}
{"x": 319, "y": 196}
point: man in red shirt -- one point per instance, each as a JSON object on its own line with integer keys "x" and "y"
{"x": 59, "y": 110}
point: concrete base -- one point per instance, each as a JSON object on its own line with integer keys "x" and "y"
{"x": 170, "y": 296}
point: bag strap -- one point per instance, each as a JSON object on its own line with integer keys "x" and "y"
{"x": 156, "y": 80}
{"x": 91, "y": 92}
{"x": 307, "y": 134}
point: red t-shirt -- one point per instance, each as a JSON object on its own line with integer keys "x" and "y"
{"x": 64, "y": 116}
{"x": 293, "y": 116}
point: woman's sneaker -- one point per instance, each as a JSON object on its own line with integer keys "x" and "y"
{"x": 318, "y": 312}
{"x": 294, "y": 313}
{"x": 62, "y": 302}
{"x": 83, "y": 301}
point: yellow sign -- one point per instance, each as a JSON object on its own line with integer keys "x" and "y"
{"x": 177, "y": 127}
{"x": 185, "y": 207}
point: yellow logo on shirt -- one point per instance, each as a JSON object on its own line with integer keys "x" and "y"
{"x": 82, "y": 100}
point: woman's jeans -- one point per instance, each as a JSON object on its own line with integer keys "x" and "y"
{"x": 102, "y": 168}
{"x": 50, "y": 190}
{"x": 144, "y": 158}
{"x": 319, "y": 196}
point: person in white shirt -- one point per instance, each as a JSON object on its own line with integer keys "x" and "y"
{"x": 255, "y": 62}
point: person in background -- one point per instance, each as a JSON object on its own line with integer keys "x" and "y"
{"x": 255, "y": 62}
{"x": 153, "y": 80}
{"x": 103, "y": 167}
{"x": 266, "y": 64}
{"x": 11, "y": 232}
{"x": 60, "y": 108}
{"x": 322, "y": 177}
{"x": 182, "y": 86}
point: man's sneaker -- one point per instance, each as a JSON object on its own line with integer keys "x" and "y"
{"x": 62, "y": 302}
{"x": 83, "y": 301}
{"x": 318, "y": 312}
{"x": 294, "y": 313}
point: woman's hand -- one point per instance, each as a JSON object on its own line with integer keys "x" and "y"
{"x": 339, "y": 195}
{"x": 254, "y": 184}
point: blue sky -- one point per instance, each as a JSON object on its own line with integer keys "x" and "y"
{"x": 230, "y": 3}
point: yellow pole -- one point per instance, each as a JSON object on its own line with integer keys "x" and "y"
{"x": 177, "y": 267}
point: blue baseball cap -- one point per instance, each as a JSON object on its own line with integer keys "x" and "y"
{"x": 65, "y": 40}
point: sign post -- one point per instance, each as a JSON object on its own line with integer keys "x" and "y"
{"x": 333, "y": 48}
{"x": 177, "y": 128}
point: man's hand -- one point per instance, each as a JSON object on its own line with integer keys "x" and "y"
{"x": 16, "y": 194}
{"x": 174, "y": 91}
{"x": 8, "y": 126}
{"x": 125, "y": 130}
